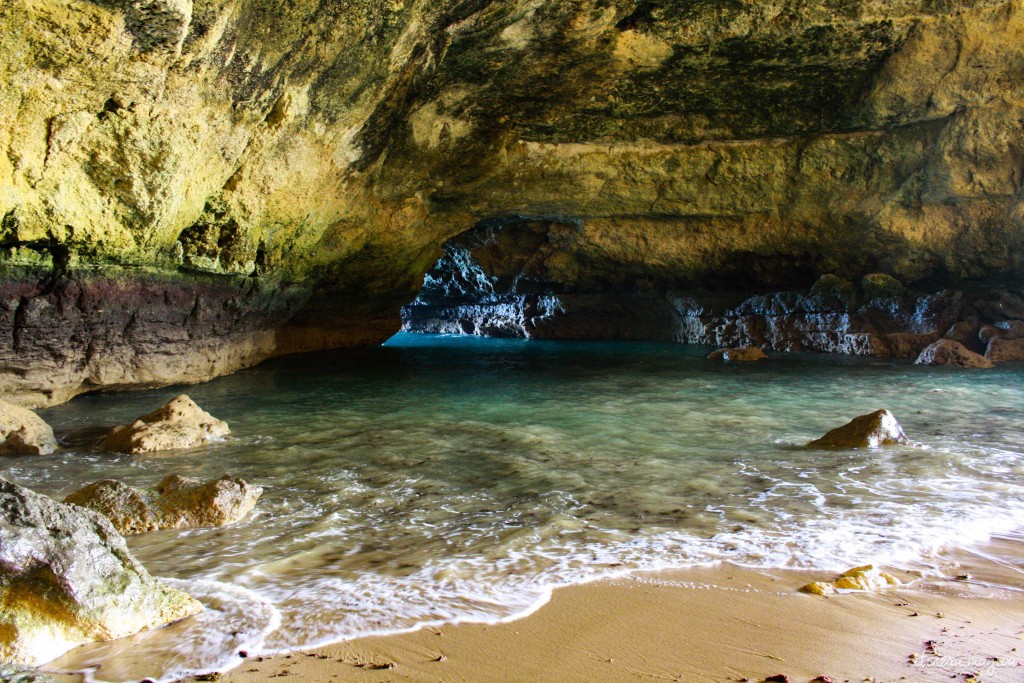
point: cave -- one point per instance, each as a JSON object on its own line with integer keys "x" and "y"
{"x": 477, "y": 299}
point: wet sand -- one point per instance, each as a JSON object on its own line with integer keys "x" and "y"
{"x": 721, "y": 623}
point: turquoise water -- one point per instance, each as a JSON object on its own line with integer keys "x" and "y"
{"x": 442, "y": 479}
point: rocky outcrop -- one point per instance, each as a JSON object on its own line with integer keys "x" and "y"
{"x": 866, "y": 431}
{"x": 967, "y": 332}
{"x": 175, "y": 503}
{"x": 949, "y": 352}
{"x": 117, "y": 327}
{"x": 184, "y": 192}
{"x": 745, "y": 354}
{"x": 179, "y": 424}
{"x": 23, "y": 432}
{"x": 866, "y": 578}
{"x": 496, "y": 280}
{"x": 1002, "y": 349}
{"x": 67, "y": 578}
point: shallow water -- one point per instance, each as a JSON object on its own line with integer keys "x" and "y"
{"x": 449, "y": 478}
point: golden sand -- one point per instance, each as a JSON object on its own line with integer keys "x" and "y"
{"x": 722, "y": 623}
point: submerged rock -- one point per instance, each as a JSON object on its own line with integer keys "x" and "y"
{"x": 866, "y": 578}
{"x": 175, "y": 503}
{"x": 179, "y": 424}
{"x": 867, "y": 431}
{"x": 24, "y": 432}
{"x": 67, "y": 578}
{"x": 745, "y": 354}
{"x": 949, "y": 352}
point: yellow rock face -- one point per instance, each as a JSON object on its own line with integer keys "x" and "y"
{"x": 334, "y": 148}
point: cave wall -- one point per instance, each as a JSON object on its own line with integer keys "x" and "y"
{"x": 294, "y": 166}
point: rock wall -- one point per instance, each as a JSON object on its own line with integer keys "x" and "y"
{"x": 497, "y": 280}
{"x": 294, "y": 167}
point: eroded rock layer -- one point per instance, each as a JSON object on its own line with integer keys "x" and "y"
{"x": 294, "y": 167}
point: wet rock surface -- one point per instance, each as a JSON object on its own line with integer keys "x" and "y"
{"x": 23, "y": 432}
{"x": 175, "y": 503}
{"x": 499, "y": 284}
{"x": 1003, "y": 349}
{"x": 179, "y": 424}
{"x": 949, "y": 352}
{"x": 67, "y": 578}
{"x": 746, "y": 354}
{"x": 875, "y": 429}
{"x": 124, "y": 329}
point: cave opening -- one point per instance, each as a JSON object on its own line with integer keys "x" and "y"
{"x": 493, "y": 280}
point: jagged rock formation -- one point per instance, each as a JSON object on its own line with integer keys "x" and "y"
{"x": 178, "y": 424}
{"x": 187, "y": 187}
{"x": 175, "y": 503}
{"x": 67, "y": 578}
{"x": 497, "y": 280}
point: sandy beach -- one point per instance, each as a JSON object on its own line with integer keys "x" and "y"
{"x": 721, "y": 623}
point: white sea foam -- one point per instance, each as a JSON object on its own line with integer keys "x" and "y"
{"x": 235, "y": 620}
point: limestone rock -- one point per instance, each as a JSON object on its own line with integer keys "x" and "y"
{"x": 24, "y": 432}
{"x": 67, "y": 578}
{"x": 179, "y": 424}
{"x": 1005, "y": 349}
{"x": 127, "y": 508}
{"x": 866, "y": 431}
{"x": 175, "y": 503}
{"x": 745, "y": 354}
{"x": 949, "y": 352}
{"x": 184, "y": 502}
{"x": 1002, "y": 305}
{"x": 881, "y": 285}
{"x": 966, "y": 332}
{"x": 679, "y": 145}
{"x": 866, "y": 578}
{"x": 1012, "y": 329}
{"x": 986, "y": 333}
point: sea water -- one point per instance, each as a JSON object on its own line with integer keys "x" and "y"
{"x": 445, "y": 479}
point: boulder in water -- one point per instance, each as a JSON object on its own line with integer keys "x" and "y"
{"x": 866, "y": 578}
{"x": 179, "y": 424}
{"x": 950, "y": 352}
{"x": 867, "y": 431}
{"x": 176, "y": 503}
{"x": 23, "y": 432}
{"x": 67, "y": 578}
{"x": 1005, "y": 350}
{"x": 744, "y": 354}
